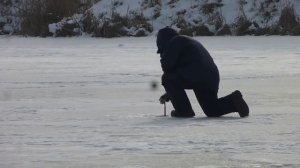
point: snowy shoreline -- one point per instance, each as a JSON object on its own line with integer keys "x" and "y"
{"x": 107, "y": 18}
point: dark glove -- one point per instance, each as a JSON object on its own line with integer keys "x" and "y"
{"x": 164, "y": 98}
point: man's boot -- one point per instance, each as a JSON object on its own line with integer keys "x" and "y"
{"x": 240, "y": 104}
{"x": 182, "y": 115}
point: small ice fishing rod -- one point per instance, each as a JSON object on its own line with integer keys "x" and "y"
{"x": 165, "y": 109}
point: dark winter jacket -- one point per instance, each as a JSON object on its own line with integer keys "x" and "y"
{"x": 188, "y": 59}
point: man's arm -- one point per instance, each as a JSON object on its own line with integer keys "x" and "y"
{"x": 169, "y": 59}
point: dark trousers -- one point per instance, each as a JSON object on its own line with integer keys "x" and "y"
{"x": 208, "y": 99}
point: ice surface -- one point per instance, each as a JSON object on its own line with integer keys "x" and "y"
{"x": 87, "y": 102}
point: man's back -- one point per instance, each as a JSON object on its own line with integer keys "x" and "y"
{"x": 191, "y": 61}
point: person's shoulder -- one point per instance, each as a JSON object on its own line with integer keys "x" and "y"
{"x": 181, "y": 39}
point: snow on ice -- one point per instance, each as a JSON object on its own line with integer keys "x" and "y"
{"x": 87, "y": 102}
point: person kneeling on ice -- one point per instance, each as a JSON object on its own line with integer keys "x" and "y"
{"x": 186, "y": 64}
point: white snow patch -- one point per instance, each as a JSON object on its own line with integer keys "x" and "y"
{"x": 54, "y": 27}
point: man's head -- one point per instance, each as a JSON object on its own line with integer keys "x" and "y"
{"x": 163, "y": 37}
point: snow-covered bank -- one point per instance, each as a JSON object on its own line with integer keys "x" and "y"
{"x": 82, "y": 102}
{"x": 115, "y": 18}
{"x": 212, "y": 17}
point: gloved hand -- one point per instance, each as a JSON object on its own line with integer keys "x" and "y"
{"x": 164, "y": 98}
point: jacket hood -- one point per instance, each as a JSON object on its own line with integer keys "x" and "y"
{"x": 163, "y": 38}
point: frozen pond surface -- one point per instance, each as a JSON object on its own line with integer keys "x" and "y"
{"x": 86, "y": 102}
